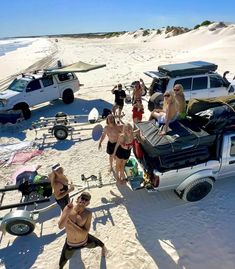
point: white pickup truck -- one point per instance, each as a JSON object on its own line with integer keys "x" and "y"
{"x": 194, "y": 183}
{"x": 32, "y": 89}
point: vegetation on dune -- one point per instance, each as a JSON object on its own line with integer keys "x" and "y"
{"x": 204, "y": 23}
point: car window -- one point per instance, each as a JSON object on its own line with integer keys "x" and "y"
{"x": 65, "y": 76}
{"x": 232, "y": 149}
{"x": 18, "y": 85}
{"x": 199, "y": 83}
{"x": 33, "y": 85}
{"x": 216, "y": 82}
{"x": 185, "y": 82}
{"x": 47, "y": 81}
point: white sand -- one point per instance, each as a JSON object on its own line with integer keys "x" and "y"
{"x": 140, "y": 229}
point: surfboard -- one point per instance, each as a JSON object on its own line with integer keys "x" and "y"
{"x": 97, "y": 132}
{"x": 93, "y": 116}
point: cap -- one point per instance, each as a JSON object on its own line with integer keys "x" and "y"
{"x": 55, "y": 167}
{"x": 86, "y": 195}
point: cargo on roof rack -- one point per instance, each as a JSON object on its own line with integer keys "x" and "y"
{"x": 187, "y": 69}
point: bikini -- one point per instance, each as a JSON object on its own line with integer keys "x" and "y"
{"x": 62, "y": 202}
{"x": 123, "y": 153}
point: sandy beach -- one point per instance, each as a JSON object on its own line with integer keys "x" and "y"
{"x": 140, "y": 229}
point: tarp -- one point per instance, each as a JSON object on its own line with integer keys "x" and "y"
{"x": 183, "y": 135}
{"x": 76, "y": 67}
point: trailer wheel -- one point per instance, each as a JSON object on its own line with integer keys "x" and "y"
{"x": 197, "y": 190}
{"x": 20, "y": 227}
{"x": 60, "y": 132}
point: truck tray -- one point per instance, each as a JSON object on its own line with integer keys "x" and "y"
{"x": 183, "y": 135}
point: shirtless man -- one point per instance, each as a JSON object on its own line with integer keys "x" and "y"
{"x": 112, "y": 130}
{"x": 76, "y": 220}
{"x": 139, "y": 87}
{"x": 59, "y": 184}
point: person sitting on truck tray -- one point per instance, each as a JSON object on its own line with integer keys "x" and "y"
{"x": 168, "y": 114}
{"x": 59, "y": 183}
{"x": 180, "y": 100}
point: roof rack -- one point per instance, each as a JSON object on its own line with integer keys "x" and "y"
{"x": 186, "y": 69}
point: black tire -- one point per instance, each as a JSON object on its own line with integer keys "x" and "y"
{"x": 197, "y": 190}
{"x": 25, "y": 110}
{"x": 68, "y": 96}
{"x": 155, "y": 101}
{"x": 19, "y": 227}
{"x": 60, "y": 132}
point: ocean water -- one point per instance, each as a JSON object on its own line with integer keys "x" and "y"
{"x": 8, "y": 45}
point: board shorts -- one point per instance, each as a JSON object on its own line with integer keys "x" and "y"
{"x": 110, "y": 147}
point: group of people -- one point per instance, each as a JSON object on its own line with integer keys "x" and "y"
{"x": 174, "y": 107}
{"x": 76, "y": 219}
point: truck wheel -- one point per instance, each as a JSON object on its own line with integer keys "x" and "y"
{"x": 68, "y": 96}
{"x": 197, "y": 190}
{"x": 20, "y": 227}
{"x": 25, "y": 110}
{"x": 60, "y": 132}
{"x": 155, "y": 101}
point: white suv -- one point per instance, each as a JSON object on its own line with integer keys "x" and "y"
{"x": 198, "y": 79}
{"x": 36, "y": 88}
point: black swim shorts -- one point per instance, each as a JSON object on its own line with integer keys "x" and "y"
{"x": 110, "y": 147}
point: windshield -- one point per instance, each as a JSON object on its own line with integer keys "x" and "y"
{"x": 18, "y": 85}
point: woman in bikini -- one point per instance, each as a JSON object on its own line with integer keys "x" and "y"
{"x": 122, "y": 151}
{"x": 168, "y": 114}
{"x": 59, "y": 184}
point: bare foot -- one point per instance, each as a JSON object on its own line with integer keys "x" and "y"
{"x": 104, "y": 251}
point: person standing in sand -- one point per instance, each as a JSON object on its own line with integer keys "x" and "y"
{"x": 59, "y": 184}
{"x": 120, "y": 95}
{"x": 122, "y": 151}
{"x": 139, "y": 87}
{"x": 76, "y": 219}
{"x": 112, "y": 131}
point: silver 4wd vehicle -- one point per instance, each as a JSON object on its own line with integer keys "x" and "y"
{"x": 198, "y": 78}
{"x": 195, "y": 152}
{"x": 42, "y": 86}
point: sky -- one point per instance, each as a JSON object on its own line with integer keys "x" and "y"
{"x": 46, "y": 17}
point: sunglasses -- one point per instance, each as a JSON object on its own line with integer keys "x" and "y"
{"x": 83, "y": 198}
{"x": 167, "y": 95}
{"x": 176, "y": 90}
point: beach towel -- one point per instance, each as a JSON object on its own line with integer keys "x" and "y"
{"x": 7, "y": 150}
{"x": 24, "y": 156}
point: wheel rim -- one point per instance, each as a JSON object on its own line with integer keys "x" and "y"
{"x": 60, "y": 133}
{"x": 20, "y": 228}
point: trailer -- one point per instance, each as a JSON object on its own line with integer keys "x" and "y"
{"x": 22, "y": 222}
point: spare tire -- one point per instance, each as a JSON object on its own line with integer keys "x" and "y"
{"x": 155, "y": 101}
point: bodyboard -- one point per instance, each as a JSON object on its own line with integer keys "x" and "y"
{"x": 93, "y": 116}
{"x": 97, "y": 132}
